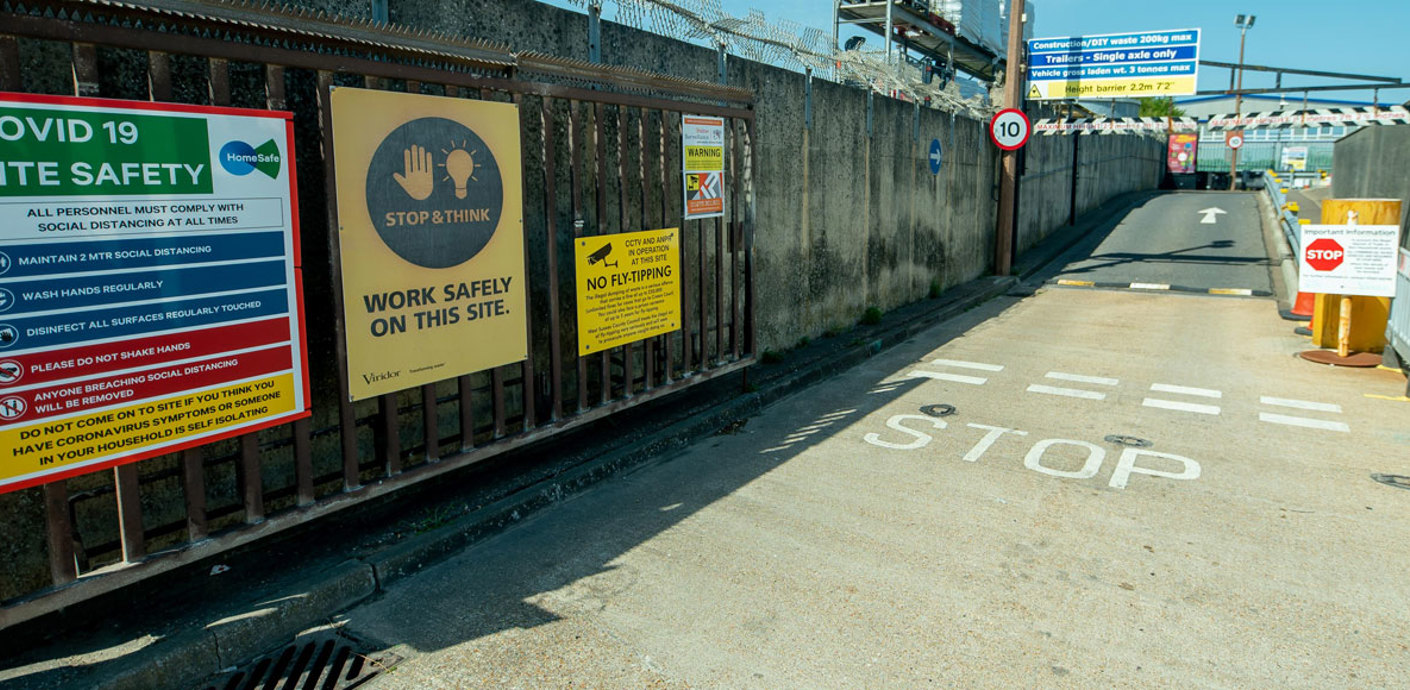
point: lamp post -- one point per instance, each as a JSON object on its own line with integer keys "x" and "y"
{"x": 1244, "y": 22}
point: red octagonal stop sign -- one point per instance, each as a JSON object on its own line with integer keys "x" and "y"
{"x": 1325, "y": 254}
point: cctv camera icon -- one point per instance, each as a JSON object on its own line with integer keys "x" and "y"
{"x": 600, "y": 256}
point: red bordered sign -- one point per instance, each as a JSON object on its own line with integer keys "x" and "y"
{"x": 1010, "y": 129}
{"x": 149, "y": 262}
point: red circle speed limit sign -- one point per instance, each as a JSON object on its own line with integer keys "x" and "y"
{"x": 1010, "y": 129}
{"x": 1234, "y": 139}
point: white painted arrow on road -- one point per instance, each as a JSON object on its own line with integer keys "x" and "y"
{"x": 1211, "y": 215}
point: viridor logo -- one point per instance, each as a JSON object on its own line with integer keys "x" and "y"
{"x": 239, "y": 158}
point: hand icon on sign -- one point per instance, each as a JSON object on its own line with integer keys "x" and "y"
{"x": 418, "y": 181}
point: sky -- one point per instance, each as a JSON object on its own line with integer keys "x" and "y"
{"x": 1365, "y": 37}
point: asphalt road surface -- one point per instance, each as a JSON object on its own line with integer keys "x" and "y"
{"x": 1082, "y": 488}
{"x": 1194, "y": 240}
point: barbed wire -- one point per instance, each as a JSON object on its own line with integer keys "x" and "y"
{"x": 791, "y": 45}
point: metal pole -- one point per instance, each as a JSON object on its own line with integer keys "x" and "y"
{"x": 595, "y": 31}
{"x": 723, "y": 76}
{"x": 1238, "y": 107}
{"x": 836, "y": 35}
{"x": 890, "y": 5}
{"x": 1013, "y": 97}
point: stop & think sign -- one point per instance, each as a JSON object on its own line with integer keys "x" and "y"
{"x": 1325, "y": 254}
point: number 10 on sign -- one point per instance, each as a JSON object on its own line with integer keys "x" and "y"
{"x": 1010, "y": 129}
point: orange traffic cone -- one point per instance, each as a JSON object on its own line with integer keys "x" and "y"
{"x": 1303, "y": 306}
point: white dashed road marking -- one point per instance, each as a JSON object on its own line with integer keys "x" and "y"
{"x": 961, "y": 364}
{"x": 1079, "y": 378}
{"x": 1181, "y": 406}
{"x": 1186, "y": 390}
{"x": 1067, "y": 392}
{"x": 1301, "y": 404}
{"x": 953, "y": 378}
{"x": 1303, "y": 422}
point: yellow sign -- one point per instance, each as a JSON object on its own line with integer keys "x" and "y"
{"x": 72, "y": 443}
{"x": 1113, "y": 88}
{"x": 629, "y": 287}
{"x": 431, "y": 238}
{"x": 704, "y": 158}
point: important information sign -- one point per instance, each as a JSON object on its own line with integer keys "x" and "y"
{"x": 1151, "y": 63}
{"x": 703, "y": 152}
{"x": 431, "y": 237}
{"x": 149, "y": 281}
{"x": 629, "y": 287}
{"x": 1349, "y": 259}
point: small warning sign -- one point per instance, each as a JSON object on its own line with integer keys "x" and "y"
{"x": 628, "y": 287}
{"x": 704, "y": 195}
{"x": 1033, "y": 92}
{"x": 703, "y": 154}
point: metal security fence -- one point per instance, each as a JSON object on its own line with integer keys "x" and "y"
{"x": 1262, "y": 155}
{"x": 601, "y": 154}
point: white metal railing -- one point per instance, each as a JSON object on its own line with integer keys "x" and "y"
{"x": 1400, "y": 309}
{"x": 1286, "y": 218}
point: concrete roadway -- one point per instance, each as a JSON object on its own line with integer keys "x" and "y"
{"x": 847, "y": 538}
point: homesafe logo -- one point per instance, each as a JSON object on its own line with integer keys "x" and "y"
{"x": 239, "y": 158}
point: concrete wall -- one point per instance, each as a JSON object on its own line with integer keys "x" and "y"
{"x": 1374, "y": 163}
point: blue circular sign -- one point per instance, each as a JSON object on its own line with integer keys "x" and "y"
{"x": 937, "y": 156}
{"x": 238, "y": 158}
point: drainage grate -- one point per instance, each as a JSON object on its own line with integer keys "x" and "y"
{"x": 938, "y": 410}
{"x": 1128, "y": 441}
{"x": 323, "y": 662}
{"x": 1398, "y": 481}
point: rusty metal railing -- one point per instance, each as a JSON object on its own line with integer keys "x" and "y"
{"x": 602, "y": 155}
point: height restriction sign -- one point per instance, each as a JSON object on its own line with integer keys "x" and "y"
{"x": 703, "y": 153}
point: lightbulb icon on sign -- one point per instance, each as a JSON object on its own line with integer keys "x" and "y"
{"x": 460, "y": 168}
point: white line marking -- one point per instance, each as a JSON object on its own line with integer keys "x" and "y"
{"x": 1149, "y": 286}
{"x": 1079, "y": 378}
{"x": 961, "y": 364}
{"x": 1181, "y": 406}
{"x": 1069, "y": 392}
{"x": 1303, "y": 421}
{"x": 1300, "y": 404}
{"x": 1186, "y": 390}
{"x": 956, "y": 378}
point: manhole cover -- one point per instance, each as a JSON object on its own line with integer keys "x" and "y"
{"x": 1128, "y": 441}
{"x": 327, "y": 661}
{"x": 938, "y": 410}
{"x": 1396, "y": 480}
